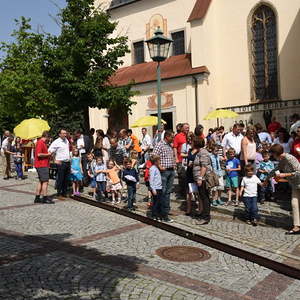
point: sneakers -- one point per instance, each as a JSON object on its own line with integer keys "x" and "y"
{"x": 254, "y": 223}
{"x": 215, "y": 203}
{"x": 37, "y": 199}
{"x": 167, "y": 220}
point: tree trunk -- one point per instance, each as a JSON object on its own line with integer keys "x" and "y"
{"x": 86, "y": 120}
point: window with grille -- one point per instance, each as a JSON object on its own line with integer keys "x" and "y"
{"x": 179, "y": 43}
{"x": 264, "y": 54}
{"x": 138, "y": 52}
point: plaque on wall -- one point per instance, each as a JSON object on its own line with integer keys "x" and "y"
{"x": 155, "y": 22}
{"x": 166, "y": 101}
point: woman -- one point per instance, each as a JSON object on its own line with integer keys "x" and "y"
{"x": 201, "y": 169}
{"x": 248, "y": 149}
{"x": 283, "y": 138}
{"x": 98, "y": 147}
{"x": 105, "y": 143}
{"x": 199, "y": 131}
{"x": 288, "y": 168}
{"x": 295, "y": 147}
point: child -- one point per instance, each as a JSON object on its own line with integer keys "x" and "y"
{"x": 114, "y": 183}
{"x": 249, "y": 188}
{"x": 92, "y": 173}
{"x": 76, "y": 171}
{"x": 134, "y": 156}
{"x": 216, "y": 165}
{"x": 148, "y": 165}
{"x": 233, "y": 166}
{"x": 18, "y": 160}
{"x": 100, "y": 177}
{"x": 131, "y": 178}
{"x": 265, "y": 167}
{"x": 156, "y": 188}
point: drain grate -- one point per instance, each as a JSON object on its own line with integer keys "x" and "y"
{"x": 183, "y": 254}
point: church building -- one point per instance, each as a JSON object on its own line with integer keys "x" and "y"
{"x": 242, "y": 55}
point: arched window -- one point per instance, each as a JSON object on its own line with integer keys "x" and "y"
{"x": 264, "y": 54}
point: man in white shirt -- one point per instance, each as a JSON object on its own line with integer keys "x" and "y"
{"x": 233, "y": 140}
{"x": 6, "y": 154}
{"x": 60, "y": 147}
{"x": 146, "y": 144}
{"x": 264, "y": 137}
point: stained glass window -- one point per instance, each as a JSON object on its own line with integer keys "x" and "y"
{"x": 264, "y": 53}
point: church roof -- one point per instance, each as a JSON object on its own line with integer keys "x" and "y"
{"x": 200, "y": 9}
{"x": 173, "y": 67}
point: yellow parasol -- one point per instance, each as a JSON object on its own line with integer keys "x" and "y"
{"x": 31, "y": 128}
{"x": 221, "y": 114}
{"x": 146, "y": 121}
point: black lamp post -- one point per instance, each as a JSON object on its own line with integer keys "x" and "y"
{"x": 159, "y": 46}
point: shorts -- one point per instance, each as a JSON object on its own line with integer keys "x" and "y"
{"x": 232, "y": 182}
{"x": 220, "y": 187}
{"x": 43, "y": 174}
{"x": 93, "y": 183}
{"x": 113, "y": 187}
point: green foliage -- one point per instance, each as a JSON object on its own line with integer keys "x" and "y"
{"x": 24, "y": 92}
{"x": 85, "y": 56}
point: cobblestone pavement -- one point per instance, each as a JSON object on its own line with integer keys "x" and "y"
{"x": 70, "y": 250}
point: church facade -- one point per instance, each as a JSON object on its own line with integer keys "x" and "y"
{"x": 239, "y": 55}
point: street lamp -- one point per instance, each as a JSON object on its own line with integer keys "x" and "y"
{"x": 159, "y": 46}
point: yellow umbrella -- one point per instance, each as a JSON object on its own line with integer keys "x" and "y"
{"x": 31, "y": 128}
{"x": 221, "y": 114}
{"x": 146, "y": 121}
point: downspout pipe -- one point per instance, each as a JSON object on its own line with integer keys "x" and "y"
{"x": 195, "y": 79}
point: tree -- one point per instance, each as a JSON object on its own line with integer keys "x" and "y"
{"x": 24, "y": 92}
{"x": 83, "y": 58}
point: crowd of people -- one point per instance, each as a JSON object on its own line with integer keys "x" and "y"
{"x": 248, "y": 163}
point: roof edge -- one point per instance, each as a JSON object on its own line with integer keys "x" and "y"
{"x": 200, "y": 10}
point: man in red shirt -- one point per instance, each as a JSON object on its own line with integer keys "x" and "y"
{"x": 41, "y": 163}
{"x": 296, "y": 145}
{"x": 179, "y": 140}
{"x": 273, "y": 127}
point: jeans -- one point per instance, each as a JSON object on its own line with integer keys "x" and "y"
{"x": 251, "y": 208}
{"x": 204, "y": 198}
{"x": 157, "y": 208}
{"x": 167, "y": 178}
{"x": 101, "y": 187}
{"x": 63, "y": 173}
{"x": 19, "y": 170}
{"x": 264, "y": 191}
{"x": 131, "y": 191}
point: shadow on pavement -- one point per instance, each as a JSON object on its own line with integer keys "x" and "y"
{"x": 58, "y": 269}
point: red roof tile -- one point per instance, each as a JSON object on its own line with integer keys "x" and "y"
{"x": 174, "y": 66}
{"x": 200, "y": 9}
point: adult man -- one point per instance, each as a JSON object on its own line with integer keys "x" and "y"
{"x": 233, "y": 140}
{"x": 159, "y": 135}
{"x": 179, "y": 140}
{"x": 125, "y": 141}
{"x": 42, "y": 163}
{"x": 117, "y": 152}
{"x": 6, "y": 154}
{"x": 146, "y": 144}
{"x": 295, "y": 118}
{"x": 60, "y": 147}
{"x": 167, "y": 167}
{"x": 84, "y": 145}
